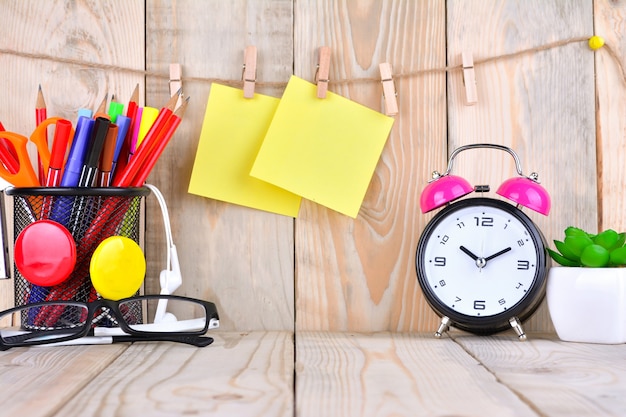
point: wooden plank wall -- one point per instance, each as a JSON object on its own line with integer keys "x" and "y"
{"x": 563, "y": 109}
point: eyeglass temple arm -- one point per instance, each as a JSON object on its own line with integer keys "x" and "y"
{"x": 198, "y": 341}
{"x": 195, "y": 340}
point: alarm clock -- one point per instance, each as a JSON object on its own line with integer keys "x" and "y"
{"x": 481, "y": 262}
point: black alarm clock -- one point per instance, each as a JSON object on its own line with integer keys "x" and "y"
{"x": 482, "y": 263}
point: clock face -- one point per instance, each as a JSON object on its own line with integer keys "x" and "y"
{"x": 480, "y": 262}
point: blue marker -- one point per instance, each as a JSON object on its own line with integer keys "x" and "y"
{"x": 85, "y": 113}
{"x": 73, "y": 167}
{"x": 78, "y": 152}
{"x": 123, "y": 124}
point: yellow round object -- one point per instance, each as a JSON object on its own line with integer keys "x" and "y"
{"x": 596, "y": 42}
{"x": 117, "y": 268}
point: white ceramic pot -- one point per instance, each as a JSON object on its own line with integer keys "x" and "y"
{"x": 588, "y": 304}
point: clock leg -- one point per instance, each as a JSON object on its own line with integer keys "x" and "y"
{"x": 517, "y": 326}
{"x": 443, "y": 326}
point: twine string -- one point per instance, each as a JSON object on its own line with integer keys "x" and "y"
{"x": 232, "y": 82}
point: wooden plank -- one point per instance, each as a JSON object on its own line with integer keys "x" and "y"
{"x": 247, "y": 374}
{"x": 541, "y": 104}
{"x": 38, "y": 381}
{"x": 611, "y": 112}
{"x": 557, "y": 378}
{"x": 395, "y": 374}
{"x": 88, "y": 34}
{"x": 240, "y": 258}
{"x": 360, "y": 274}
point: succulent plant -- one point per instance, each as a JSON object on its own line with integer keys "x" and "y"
{"x": 579, "y": 248}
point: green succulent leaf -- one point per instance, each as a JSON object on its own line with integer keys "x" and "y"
{"x": 561, "y": 260}
{"x": 577, "y": 243}
{"x": 606, "y": 239}
{"x": 580, "y": 248}
{"x": 565, "y": 251}
{"x": 621, "y": 239}
{"x": 618, "y": 256}
{"x": 575, "y": 231}
{"x": 595, "y": 256}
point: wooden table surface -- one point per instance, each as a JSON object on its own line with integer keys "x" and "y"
{"x": 321, "y": 374}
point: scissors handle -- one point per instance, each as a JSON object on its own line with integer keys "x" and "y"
{"x": 40, "y": 138}
{"x": 25, "y": 176}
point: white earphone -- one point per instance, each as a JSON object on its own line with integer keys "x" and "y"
{"x": 170, "y": 278}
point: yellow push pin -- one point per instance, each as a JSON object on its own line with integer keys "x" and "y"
{"x": 596, "y": 42}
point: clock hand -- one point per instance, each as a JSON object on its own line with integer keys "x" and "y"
{"x": 480, "y": 262}
{"x": 503, "y": 251}
{"x": 468, "y": 252}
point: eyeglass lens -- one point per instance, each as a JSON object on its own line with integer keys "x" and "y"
{"x": 31, "y": 324}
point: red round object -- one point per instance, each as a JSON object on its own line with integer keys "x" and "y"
{"x": 45, "y": 253}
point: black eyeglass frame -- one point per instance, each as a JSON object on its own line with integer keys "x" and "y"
{"x": 82, "y": 330}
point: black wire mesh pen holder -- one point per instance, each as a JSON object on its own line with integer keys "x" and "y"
{"x": 90, "y": 215}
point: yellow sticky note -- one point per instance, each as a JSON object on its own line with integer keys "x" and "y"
{"x": 325, "y": 150}
{"x": 232, "y": 133}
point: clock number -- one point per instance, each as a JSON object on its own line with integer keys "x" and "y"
{"x": 519, "y": 285}
{"x": 440, "y": 261}
{"x": 523, "y": 265}
{"x": 502, "y": 301}
{"x": 520, "y": 242}
{"x": 442, "y": 283}
{"x": 484, "y": 221}
{"x": 479, "y": 305}
{"x": 460, "y": 225}
{"x": 444, "y": 239}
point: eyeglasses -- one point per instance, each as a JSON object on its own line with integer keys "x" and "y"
{"x": 49, "y": 322}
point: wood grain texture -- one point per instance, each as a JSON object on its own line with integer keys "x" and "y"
{"x": 556, "y": 378}
{"x": 247, "y": 374}
{"x": 393, "y": 374}
{"x": 540, "y": 104}
{"x": 38, "y": 381}
{"x": 240, "y": 258}
{"x": 325, "y": 271}
{"x": 360, "y": 274}
{"x": 610, "y": 23}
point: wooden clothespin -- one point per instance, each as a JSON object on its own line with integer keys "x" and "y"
{"x": 249, "y": 71}
{"x": 175, "y": 80}
{"x": 389, "y": 89}
{"x": 323, "y": 71}
{"x": 469, "y": 78}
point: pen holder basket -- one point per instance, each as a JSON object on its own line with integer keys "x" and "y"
{"x": 90, "y": 215}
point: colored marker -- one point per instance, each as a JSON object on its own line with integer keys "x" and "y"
{"x": 106, "y": 159}
{"x": 115, "y": 109}
{"x": 123, "y": 124}
{"x": 148, "y": 117}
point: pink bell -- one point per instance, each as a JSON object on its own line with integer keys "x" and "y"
{"x": 526, "y": 192}
{"x": 443, "y": 190}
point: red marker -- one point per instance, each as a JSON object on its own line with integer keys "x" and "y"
{"x": 62, "y": 135}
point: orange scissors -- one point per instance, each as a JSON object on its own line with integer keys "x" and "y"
{"x": 25, "y": 175}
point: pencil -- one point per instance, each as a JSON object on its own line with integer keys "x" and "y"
{"x": 147, "y": 145}
{"x": 41, "y": 114}
{"x": 132, "y": 102}
{"x": 164, "y": 137}
{"x": 101, "y": 110}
